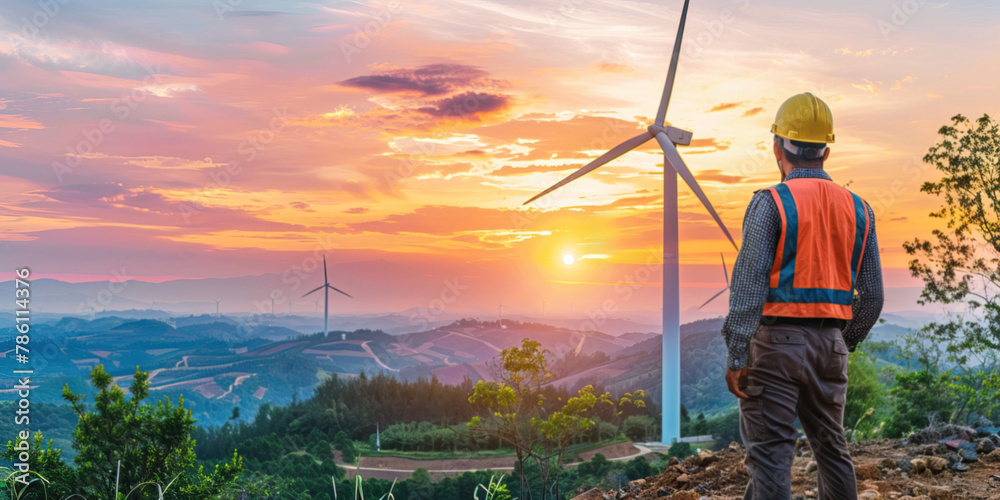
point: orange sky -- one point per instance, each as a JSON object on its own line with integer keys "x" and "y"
{"x": 190, "y": 139}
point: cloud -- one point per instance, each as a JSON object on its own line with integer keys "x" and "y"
{"x": 632, "y": 202}
{"x": 891, "y": 51}
{"x": 867, "y": 86}
{"x": 508, "y": 170}
{"x": 607, "y": 67}
{"x": 147, "y": 207}
{"x": 430, "y": 80}
{"x": 86, "y": 193}
{"x": 899, "y": 83}
{"x": 725, "y": 106}
{"x": 720, "y": 176}
{"x": 357, "y": 210}
{"x": 576, "y": 134}
{"x": 440, "y": 220}
{"x": 467, "y": 106}
{"x": 710, "y": 144}
{"x": 19, "y": 122}
{"x": 305, "y": 207}
{"x": 753, "y": 112}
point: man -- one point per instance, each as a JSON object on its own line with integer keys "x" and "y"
{"x": 807, "y": 288}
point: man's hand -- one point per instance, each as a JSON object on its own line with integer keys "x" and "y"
{"x": 737, "y": 380}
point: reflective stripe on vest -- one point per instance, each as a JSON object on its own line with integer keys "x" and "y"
{"x": 823, "y": 232}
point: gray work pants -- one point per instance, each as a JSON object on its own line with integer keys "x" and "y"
{"x": 796, "y": 370}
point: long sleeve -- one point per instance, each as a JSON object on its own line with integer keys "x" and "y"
{"x": 751, "y": 276}
{"x": 868, "y": 302}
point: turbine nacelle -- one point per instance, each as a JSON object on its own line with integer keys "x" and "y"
{"x": 676, "y": 135}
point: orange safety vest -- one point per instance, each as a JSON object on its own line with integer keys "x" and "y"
{"x": 823, "y": 232}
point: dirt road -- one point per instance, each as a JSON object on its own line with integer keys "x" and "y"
{"x": 386, "y": 467}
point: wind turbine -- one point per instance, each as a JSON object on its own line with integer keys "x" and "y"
{"x": 217, "y": 307}
{"x": 500, "y": 314}
{"x": 724, "y": 290}
{"x": 668, "y": 137}
{"x": 326, "y": 287}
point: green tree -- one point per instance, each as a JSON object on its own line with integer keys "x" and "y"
{"x": 638, "y": 427}
{"x": 598, "y": 465}
{"x": 680, "y": 450}
{"x": 346, "y": 446}
{"x": 506, "y": 406}
{"x": 152, "y": 443}
{"x": 560, "y": 428}
{"x": 638, "y": 468}
{"x": 961, "y": 263}
{"x": 223, "y": 478}
{"x": 916, "y": 394}
{"x": 56, "y": 479}
{"x": 865, "y": 395}
{"x": 420, "y": 485}
{"x": 513, "y": 410}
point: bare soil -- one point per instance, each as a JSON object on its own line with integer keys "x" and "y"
{"x": 723, "y": 476}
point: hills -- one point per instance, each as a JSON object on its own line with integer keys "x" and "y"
{"x": 220, "y": 363}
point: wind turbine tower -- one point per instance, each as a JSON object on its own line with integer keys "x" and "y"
{"x": 668, "y": 137}
{"x": 326, "y": 287}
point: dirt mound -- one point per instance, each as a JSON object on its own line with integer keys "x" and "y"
{"x": 885, "y": 469}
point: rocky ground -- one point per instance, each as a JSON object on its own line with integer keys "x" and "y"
{"x": 885, "y": 469}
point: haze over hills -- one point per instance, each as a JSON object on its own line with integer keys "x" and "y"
{"x": 421, "y": 297}
{"x": 218, "y": 363}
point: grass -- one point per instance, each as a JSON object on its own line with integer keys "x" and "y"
{"x": 366, "y": 450}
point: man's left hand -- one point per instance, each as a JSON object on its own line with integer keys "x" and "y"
{"x": 737, "y": 380}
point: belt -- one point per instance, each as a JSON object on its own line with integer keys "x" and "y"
{"x": 814, "y": 322}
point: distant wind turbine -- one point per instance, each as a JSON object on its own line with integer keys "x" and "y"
{"x": 724, "y": 290}
{"x": 668, "y": 137}
{"x": 500, "y": 314}
{"x": 217, "y": 307}
{"x": 326, "y": 287}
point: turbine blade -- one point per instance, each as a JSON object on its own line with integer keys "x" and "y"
{"x": 713, "y": 298}
{"x": 331, "y": 287}
{"x": 724, "y": 270}
{"x": 668, "y": 87}
{"x": 326, "y": 280}
{"x": 615, "y": 152}
{"x": 674, "y": 158}
{"x": 314, "y": 290}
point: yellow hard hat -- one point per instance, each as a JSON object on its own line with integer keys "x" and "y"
{"x": 804, "y": 117}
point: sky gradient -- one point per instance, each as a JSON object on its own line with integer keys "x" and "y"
{"x": 197, "y": 139}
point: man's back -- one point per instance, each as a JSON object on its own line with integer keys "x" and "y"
{"x": 806, "y": 289}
